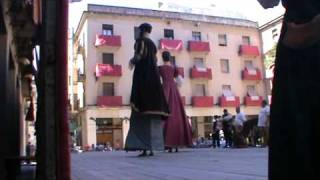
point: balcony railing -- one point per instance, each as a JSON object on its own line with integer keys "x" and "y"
{"x": 108, "y": 70}
{"x": 111, "y": 41}
{"x": 202, "y": 101}
{"x": 249, "y": 51}
{"x": 232, "y": 101}
{"x": 109, "y": 101}
{"x": 171, "y": 44}
{"x": 196, "y": 73}
{"x": 198, "y": 46}
{"x": 252, "y": 74}
{"x": 253, "y": 100}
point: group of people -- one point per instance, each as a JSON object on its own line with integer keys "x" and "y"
{"x": 158, "y": 120}
{"x": 234, "y": 130}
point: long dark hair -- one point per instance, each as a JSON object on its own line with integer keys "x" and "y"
{"x": 166, "y": 56}
{"x": 144, "y": 27}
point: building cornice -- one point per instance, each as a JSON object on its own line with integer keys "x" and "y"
{"x": 197, "y": 18}
{"x": 273, "y": 22}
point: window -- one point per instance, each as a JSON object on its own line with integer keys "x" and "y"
{"x": 107, "y": 29}
{"x": 108, "y": 89}
{"x": 245, "y": 40}
{"x": 169, "y": 34}
{"x": 275, "y": 34}
{"x": 104, "y": 121}
{"x": 75, "y": 101}
{"x": 226, "y": 87}
{"x": 226, "y": 90}
{"x": 251, "y": 90}
{"x": 222, "y": 39}
{"x": 248, "y": 64}
{"x": 199, "y": 63}
{"x": 200, "y": 90}
{"x": 173, "y": 60}
{"x": 196, "y": 36}
{"x": 136, "y": 33}
{"x": 107, "y": 58}
{"x": 224, "y": 64}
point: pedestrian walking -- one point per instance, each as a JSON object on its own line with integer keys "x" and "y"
{"x": 148, "y": 103}
{"x": 263, "y": 123}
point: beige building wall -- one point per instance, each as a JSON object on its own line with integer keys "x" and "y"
{"x": 124, "y": 26}
{"x": 270, "y": 33}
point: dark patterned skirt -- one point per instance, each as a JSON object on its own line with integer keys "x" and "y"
{"x": 145, "y": 132}
{"x": 295, "y": 117}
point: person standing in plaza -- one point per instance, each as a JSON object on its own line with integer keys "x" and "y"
{"x": 216, "y": 127}
{"x": 148, "y": 103}
{"x": 263, "y": 123}
{"x": 177, "y": 129}
{"x": 227, "y": 128}
{"x": 238, "y": 123}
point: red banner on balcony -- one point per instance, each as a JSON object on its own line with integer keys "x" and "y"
{"x": 103, "y": 40}
{"x": 233, "y": 101}
{"x": 252, "y": 74}
{"x": 253, "y": 100}
{"x": 171, "y": 44}
{"x": 202, "y": 101}
{"x": 247, "y": 50}
{"x": 108, "y": 70}
{"x": 195, "y": 73}
{"x": 109, "y": 101}
{"x": 199, "y": 46}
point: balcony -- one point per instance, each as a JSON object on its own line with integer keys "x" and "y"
{"x": 253, "y": 100}
{"x": 249, "y": 51}
{"x": 202, "y": 101}
{"x": 181, "y": 71}
{"x": 253, "y": 74}
{"x": 109, "y": 101}
{"x": 108, "y": 70}
{"x": 198, "y": 46}
{"x": 196, "y": 73}
{"x": 230, "y": 101}
{"x": 110, "y": 41}
{"x": 171, "y": 44}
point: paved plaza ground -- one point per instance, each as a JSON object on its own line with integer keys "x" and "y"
{"x": 188, "y": 164}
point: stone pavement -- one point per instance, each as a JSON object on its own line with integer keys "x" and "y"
{"x": 188, "y": 164}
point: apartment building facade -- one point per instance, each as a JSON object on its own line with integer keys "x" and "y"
{"x": 270, "y": 33}
{"x": 219, "y": 58}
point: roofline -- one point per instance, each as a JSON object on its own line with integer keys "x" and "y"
{"x": 274, "y": 21}
{"x": 128, "y": 11}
